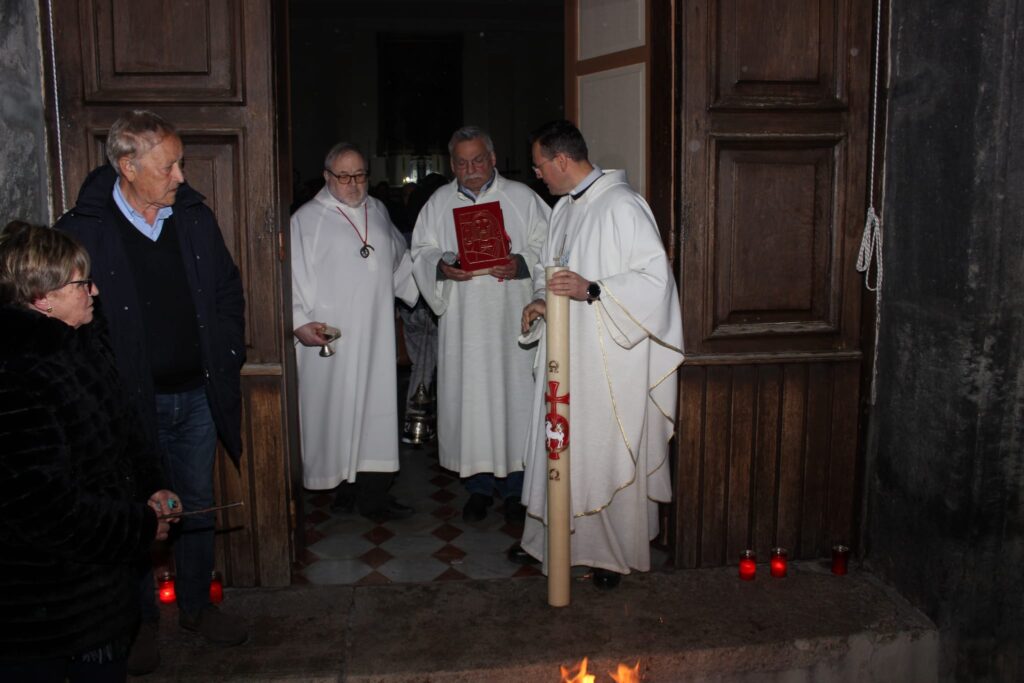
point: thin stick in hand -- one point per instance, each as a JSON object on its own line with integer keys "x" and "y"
{"x": 172, "y": 515}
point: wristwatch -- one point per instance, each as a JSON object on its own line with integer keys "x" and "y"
{"x": 593, "y": 292}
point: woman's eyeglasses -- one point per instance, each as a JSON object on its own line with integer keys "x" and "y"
{"x": 85, "y": 284}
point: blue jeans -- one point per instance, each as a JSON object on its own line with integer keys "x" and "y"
{"x": 486, "y": 483}
{"x": 188, "y": 439}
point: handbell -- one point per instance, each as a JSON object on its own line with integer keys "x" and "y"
{"x": 330, "y": 334}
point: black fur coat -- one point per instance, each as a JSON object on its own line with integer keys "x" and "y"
{"x": 75, "y": 472}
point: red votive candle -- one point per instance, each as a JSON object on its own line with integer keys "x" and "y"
{"x": 216, "y": 589}
{"x": 840, "y": 559}
{"x": 165, "y": 588}
{"x": 748, "y": 565}
{"x": 778, "y": 563}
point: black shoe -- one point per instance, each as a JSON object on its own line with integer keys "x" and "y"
{"x": 476, "y": 507}
{"x": 515, "y": 511}
{"x": 605, "y": 579}
{"x": 344, "y": 501}
{"x": 392, "y": 511}
{"x": 517, "y": 555}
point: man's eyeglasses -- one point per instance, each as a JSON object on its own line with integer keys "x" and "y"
{"x": 85, "y": 284}
{"x": 345, "y": 178}
{"x": 537, "y": 167}
{"x": 479, "y": 160}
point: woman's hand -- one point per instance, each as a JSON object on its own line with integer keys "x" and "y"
{"x": 164, "y": 502}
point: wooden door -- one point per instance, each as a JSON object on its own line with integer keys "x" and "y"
{"x": 208, "y": 67}
{"x": 619, "y": 71}
{"x": 773, "y": 141}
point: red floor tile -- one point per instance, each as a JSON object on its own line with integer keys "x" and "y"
{"x": 374, "y": 578}
{"x": 378, "y": 535}
{"x": 442, "y": 496}
{"x": 447, "y": 532}
{"x": 376, "y": 557}
{"x": 449, "y": 553}
{"x": 445, "y": 512}
{"x": 441, "y": 480}
{"x": 528, "y": 570}
{"x": 451, "y": 575}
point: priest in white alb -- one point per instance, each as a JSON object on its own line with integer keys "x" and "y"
{"x": 484, "y": 378}
{"x": 625, "y": 345}
{"x": 349, "y": 263}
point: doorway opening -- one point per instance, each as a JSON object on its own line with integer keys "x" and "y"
{"x": 397, "y": 78}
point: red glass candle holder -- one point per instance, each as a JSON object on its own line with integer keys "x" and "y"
{"x": 779, "y": 563}
{"x": 840, "y": 559}
{"x": 748, "y": 565}
{"x": 216, "y": 589}
{"x": 165, "y": 588}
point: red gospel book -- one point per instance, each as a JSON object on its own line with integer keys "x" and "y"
{"x": 480, "y": 230}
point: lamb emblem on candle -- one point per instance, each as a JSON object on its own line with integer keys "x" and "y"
{"x": 556, "y": 427}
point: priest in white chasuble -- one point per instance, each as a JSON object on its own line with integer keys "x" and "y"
{"x": 625, "y": 345}
{"x": 349, "y": 263}
{"x": 484, "y": 380}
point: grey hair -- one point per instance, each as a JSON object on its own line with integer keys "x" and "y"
{"x": 135, "y": 133}
{"x": 470, "y": 133}
{"x": 343, "y": 148}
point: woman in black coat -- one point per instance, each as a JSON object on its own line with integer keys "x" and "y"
{"x": 78, "y": 510}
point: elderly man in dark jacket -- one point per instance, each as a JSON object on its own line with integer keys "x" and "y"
{"x": 173, "y": 296}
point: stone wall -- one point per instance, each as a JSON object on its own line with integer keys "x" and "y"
{"x": 24, "y": 184}
{"x": 945, "y": 515}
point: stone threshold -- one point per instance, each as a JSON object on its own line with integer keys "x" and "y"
{"x": 682, "y": 626}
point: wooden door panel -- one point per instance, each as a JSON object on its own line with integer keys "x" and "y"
{"x": 766, "y": 457}
{"x": 208, "y": 67}
{"x": 776, "y": 53}
{"x": 156, "y": 51}
{"x": 774, "y": 239}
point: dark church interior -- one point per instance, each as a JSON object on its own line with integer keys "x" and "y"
{"x": 820, "y": 406}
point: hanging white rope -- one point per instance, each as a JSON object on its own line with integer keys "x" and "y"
{"x": 56, "y": 110}
{"x": 871, "y": 240}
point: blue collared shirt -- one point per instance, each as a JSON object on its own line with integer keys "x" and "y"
{"x": 137, "y": 219}
{"x": 586, "y": 182}
{"x": 469, "y": 193}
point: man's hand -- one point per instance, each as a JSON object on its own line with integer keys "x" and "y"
{"x": 570, "y": 284}
{"x": 453, "y": 273}
{"x": 505, "y": 271}
{"x": 533, "y": 310}
{"x": 311, "y": 334}
{"x": 164, "y": 502}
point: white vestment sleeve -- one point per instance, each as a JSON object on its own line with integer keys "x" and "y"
{"x": 401, "y": 265}
{"x": 426, "y": 252}
{"x": 303, "y": 283}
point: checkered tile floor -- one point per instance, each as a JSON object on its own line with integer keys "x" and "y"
{"x": 434, "y": 544}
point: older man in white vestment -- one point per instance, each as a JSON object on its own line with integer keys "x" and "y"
{"x": 349, "y": 263}
{"x": 483, "y": 376}
{"x": 626, "y": 339}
